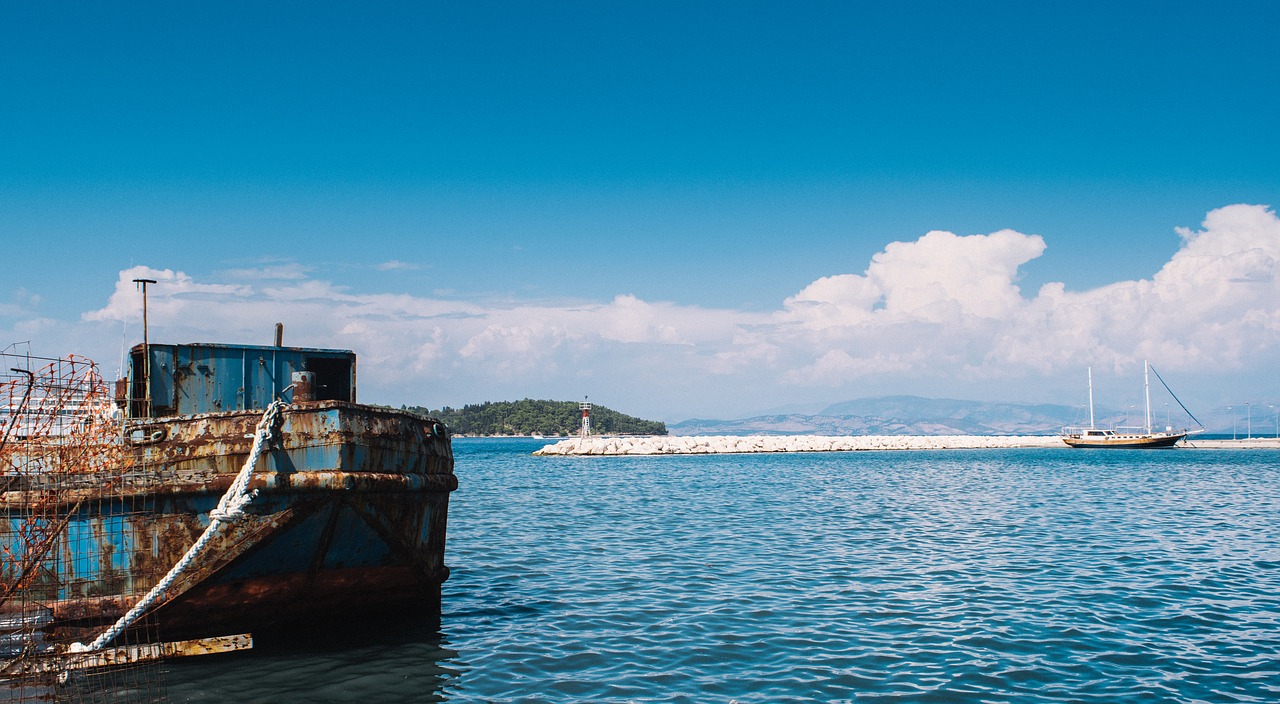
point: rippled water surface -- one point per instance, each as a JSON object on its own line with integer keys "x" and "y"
{"x": 952, "y": 576}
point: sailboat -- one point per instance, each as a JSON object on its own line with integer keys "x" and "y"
{"x": 1130, "y": 438}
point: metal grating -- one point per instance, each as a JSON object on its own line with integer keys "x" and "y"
{"x": 63, "y": 513}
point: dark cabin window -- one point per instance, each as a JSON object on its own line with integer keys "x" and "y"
{"x": 138, "y": 388}
{"x": 333, "y": 378}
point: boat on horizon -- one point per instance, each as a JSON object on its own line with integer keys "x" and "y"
{"x": 1133, "y": 438}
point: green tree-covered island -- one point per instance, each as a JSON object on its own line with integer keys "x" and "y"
{"x": 537, "y": 417}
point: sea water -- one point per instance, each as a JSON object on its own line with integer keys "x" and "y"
{"x": 1050, "y": 575}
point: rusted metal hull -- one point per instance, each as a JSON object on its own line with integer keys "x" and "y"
{"x": 349, "y": 516}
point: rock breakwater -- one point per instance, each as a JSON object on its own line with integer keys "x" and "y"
{"x": 728, "y": 444}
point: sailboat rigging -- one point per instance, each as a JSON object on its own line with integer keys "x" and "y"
{"x": 1133, "y": 438}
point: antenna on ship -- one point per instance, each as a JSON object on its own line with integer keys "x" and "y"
{"x": 585, "y": 430}
{"x": 146, "y": 345}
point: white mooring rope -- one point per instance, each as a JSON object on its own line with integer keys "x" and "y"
{"x": 230, "y": 507}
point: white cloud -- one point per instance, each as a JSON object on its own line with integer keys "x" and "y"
{"x": 166, "y": 297}
{"x": 927, "y": 316}
{"x": 836, "y": 366}
{"x": 396, "y": 265}
{"x": 952, "y": 302}
{"x": 1214, "y": 304}
{"x": 288, "y": 271}
{"x": 24, "y": 304}
{"x": 940, "y": 277}
{"x": 509, "y": 350}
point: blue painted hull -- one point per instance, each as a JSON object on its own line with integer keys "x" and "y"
{"x": 349, "y": 515}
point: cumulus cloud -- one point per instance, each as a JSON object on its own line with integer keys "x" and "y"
{"x": 952, "y": 302}
{"x": 1213, "y": 304}
{"x": 937, "y": 278}
{"x": 945, "y": 307}
{"x": 178, "y": 288}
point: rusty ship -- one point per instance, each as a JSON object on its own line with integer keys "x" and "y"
{"x": 340, "y": 508}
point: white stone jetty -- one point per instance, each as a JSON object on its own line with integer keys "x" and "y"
{"x": 728, "y": 444}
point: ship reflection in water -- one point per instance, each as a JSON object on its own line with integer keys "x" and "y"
{"x": 382, "y": 659}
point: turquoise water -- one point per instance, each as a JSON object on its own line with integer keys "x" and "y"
{"x": 953, "y": 576}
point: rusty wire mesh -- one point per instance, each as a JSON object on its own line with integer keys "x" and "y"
{"x": 68, "y": 491}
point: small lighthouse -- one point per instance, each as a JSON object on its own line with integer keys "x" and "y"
{"x": 585, "y": 430}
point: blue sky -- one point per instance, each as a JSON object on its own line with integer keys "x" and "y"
{"x": 520, "y": 168}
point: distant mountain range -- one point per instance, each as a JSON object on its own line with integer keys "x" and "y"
{"x": 910, "y": 415}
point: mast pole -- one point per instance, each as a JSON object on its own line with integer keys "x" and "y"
{"x": 1146, "y": 387}
{"x": 1091, "y": 398}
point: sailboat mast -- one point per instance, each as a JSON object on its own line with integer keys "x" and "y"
{"x": 1090, "y": 398}
{"x": 1146, "y": 387}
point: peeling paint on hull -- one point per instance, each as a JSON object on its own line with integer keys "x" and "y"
{"x": 350, "y": 515}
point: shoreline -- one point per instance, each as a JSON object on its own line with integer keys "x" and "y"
{"x": 1238, "y": 444}
{"x": 751, "y": 444}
